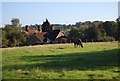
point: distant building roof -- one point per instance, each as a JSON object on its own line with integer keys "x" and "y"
{"x": 61, "y": 33}
{"x": 40, "y": 35}
{"x": 30, "y": 32}
{"x": 36, "y": 38}
{"x": 52, "y": 34}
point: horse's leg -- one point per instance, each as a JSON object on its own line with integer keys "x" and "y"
{"x": 75, "y": 45}
{"x": 79, "y": 45}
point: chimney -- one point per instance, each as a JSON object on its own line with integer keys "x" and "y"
{"x": 52, "y": 27}
{"x": 26, "y": 28}
{"x": 38, "y": 27}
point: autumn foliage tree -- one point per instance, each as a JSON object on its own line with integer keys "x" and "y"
{"x": 12, "y": 36}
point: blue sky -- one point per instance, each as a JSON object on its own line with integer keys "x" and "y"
{"x": 58, "y": 12}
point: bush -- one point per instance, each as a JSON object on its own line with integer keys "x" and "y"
{"x": 109, "y": 38}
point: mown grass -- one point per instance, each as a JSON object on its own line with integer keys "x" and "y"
{"x": 62, "y": 61}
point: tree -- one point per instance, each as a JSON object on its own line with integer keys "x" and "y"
{"x": 4, "y": 39}
{"x": 12, "y": 36}
{"x": 93, "y": 33}
{"x": 74, "y": 32}
{"x": 15, "y": 22}
{"x": 16, "y": 38}
{"x": 111, "y": 29}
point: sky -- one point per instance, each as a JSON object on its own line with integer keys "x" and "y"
{"x": 60, "y": 0}
{"x": 58, "y": 12}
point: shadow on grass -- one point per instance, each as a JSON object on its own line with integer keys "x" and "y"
{"x": 98, "y": 60}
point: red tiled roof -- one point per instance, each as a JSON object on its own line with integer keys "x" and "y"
{"x": 30, "y": 32}
{"x": 40, "y": 35}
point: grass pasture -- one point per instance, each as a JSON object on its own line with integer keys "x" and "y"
{"x": 61, "y": 61}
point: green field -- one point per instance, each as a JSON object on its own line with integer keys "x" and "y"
{"x": 61, "y": 61}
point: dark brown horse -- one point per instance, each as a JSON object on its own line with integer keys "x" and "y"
{"x": 77, "y": 42}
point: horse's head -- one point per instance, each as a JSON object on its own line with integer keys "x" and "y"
{"x": 82, "y": 45}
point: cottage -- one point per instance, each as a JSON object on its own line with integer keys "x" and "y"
{"x": 40, "y": 37}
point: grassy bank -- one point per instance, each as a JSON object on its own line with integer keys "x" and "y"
{"x": 61, "y": 61}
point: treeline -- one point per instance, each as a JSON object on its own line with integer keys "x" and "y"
{"x": 97, "y": 31}
{"x": 87, "y": 31}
